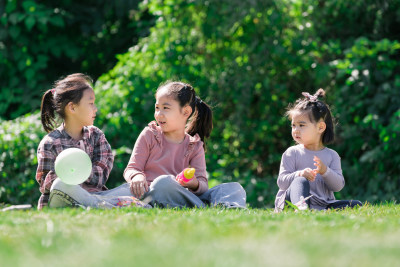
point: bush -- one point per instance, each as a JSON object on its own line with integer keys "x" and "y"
{"x": 368, "y": 101}
{"x": 18, "y": 162}
{"x": 33, "y": 53}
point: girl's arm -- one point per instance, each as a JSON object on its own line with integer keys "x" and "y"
{"x": 45, "y": 174}
{"x": 102, "y": 162}
{"x": 333, "y": 176}
{"x": 139, "y": 156}
{"x": 198, "y": 161}
{"x": 287, "y": 171}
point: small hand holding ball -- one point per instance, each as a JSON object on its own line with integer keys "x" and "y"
{"x": 186, "y": 175}
{"x": 73, "y": 166}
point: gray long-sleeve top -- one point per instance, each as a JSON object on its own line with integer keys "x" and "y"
{"x": 297, "y": 158}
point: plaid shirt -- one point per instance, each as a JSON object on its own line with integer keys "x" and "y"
{"x": 94, "y": 143}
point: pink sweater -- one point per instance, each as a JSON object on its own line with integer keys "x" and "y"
{"x": 153, "y": 156}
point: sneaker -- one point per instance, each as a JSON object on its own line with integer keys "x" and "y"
{"x": 59, "y": 199}
{"x": 302, "y": 204}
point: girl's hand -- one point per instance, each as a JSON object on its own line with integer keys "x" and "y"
{"x": 192, "y": 184}
{"x": 321, "y": 167}
{"x": 139, "y": 186}
{"x": 309, "y": 174}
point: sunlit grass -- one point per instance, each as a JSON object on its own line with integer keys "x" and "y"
{"x": 367, "y": 236}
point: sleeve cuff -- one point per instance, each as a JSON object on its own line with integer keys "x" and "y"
{"x": 203, "y": 187}
{"x": 132, "y": 175}
{"x": 328, "y": 170}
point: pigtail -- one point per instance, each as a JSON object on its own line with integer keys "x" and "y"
{"x": 201, "y": 121}
{"x": 48, "y": 111}
{"x": 320, "y": 93}
{"x": 321, "y": 110}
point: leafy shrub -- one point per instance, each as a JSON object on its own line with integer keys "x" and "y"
{"x": 34, "y": 53}
{"x": 18, "y": 162}
{"x": 368, "y": 101}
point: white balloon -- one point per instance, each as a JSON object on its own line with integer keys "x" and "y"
{"x": 73, "y": 166}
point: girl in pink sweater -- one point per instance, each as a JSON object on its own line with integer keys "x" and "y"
{"x": 171, "y": 143}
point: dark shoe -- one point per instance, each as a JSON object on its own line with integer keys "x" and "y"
{"x": 59, "y": 199}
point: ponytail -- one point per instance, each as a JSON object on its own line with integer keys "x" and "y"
{"x": 201, "y": 121}
{"x": 48, "y": 111}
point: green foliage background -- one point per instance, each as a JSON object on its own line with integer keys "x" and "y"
{"x": 249, "y": 59}
{"x": 43, "y": 40}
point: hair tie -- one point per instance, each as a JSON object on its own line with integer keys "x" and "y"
{"x": 53, "y": 90}
{"x": 311, "y": 98}
{"x": 198, "y": 100}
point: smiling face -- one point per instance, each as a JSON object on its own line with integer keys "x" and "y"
{"x": 85, "y": 110}
{"x": 169, "y": 114}
{"x": 306, "y": 132}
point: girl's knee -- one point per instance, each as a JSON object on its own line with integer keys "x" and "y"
{"x": 57, "y": 184}
{"x": 164, "y": 182}
{"x": 300, "y": 180}
{"x": 232, "y": 188}
{"x": 237, "y": 187}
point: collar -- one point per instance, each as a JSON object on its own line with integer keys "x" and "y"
{"x": 156, "y": 130}
{"x": 61, "y": 129}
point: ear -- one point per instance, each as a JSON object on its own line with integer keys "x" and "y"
{"x": 187, "y": 110}
{"x": 321, "y": 126}
{"x": 70, "y": 107}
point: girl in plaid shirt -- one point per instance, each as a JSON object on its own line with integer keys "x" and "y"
{"x": 72, "y": 99}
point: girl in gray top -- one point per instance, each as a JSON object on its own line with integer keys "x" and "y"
{"x": 309, "y": 169}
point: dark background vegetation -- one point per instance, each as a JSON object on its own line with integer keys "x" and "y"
{"x": 248, "y": 59}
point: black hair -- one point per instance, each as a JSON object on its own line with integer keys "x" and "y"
{"x": 316, "y": 110}
{"x": 65, "y": 90}
{"x": 200, "y": 120}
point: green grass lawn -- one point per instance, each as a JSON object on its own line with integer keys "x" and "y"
{"x": 367, "y": 236}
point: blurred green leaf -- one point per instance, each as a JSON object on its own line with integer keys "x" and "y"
{"x": 30, "y": 22}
